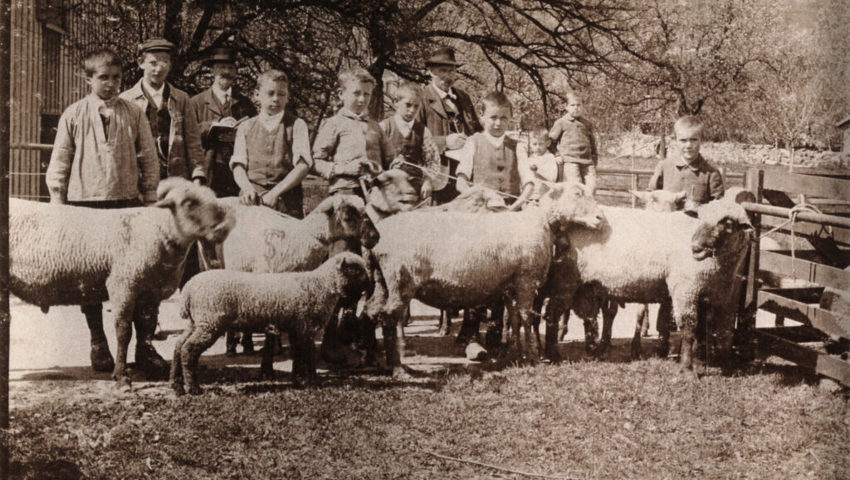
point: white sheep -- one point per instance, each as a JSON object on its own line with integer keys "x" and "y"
{"x": 67, "y": 255}
{"x": 457, "y": 260}
{"x": 642, "y": 256}
{"x": 300, "y": 303}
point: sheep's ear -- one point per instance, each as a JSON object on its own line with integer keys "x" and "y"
{"x": 680, "y": 196}
{"x": 166, "y": 202}
{"x": 327, "y": 205}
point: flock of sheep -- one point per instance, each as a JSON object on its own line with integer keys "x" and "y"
{"x": 277, "y": 270}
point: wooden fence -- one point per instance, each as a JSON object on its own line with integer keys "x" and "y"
{"x": 815, "y": 265}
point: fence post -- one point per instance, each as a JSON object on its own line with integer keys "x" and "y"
{"x": 633, "y": 186}
{"x": 748, "y": 303}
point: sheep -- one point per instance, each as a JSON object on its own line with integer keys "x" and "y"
{"x": 265, "y": 241}
{"x": 642, "y": 256}
{"x": 589, "y": 301}
{"x": 67, "y": 255}
{"x": 300, "y": 303}
{"x": 458, "y": 260}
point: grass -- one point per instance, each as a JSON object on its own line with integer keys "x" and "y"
{"x": 578, "y": 420}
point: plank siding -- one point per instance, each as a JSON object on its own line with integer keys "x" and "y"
{"x": 45, "y": 79}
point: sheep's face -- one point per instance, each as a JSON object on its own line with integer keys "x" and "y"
{"x": 197, "y": 213}
{"x": 392, "y": 192}
{"x": 570, "y": 203}
{"x": 345, "y": 216}
{"x": 660, "y": 200}
{"x": 353, "y": 274}
{"x": 724, "y": 229}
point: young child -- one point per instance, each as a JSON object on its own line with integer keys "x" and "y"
{"x": 173, "y": 124}
{"x": 350, "y": 143}
{"x": 104, "y": 157}
{"x": 538, "y": 162}
{"x": 686, "y": 170}
{"x": 410, "y": 140}
{"x": 271, "y": 155}
{"x": 576, "y": 146}
{"x": 489, "y": 158}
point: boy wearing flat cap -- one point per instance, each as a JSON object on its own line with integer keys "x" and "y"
{"x": 449, "y": 114}
{"x": 175, "y": 130}
{"x": 221, "y": 101}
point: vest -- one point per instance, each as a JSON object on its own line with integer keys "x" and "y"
{"x": 270, "y": 153}
{"x": 410, "y": 147}
{"x": 495, "y": 168}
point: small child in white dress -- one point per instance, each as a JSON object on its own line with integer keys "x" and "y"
{"x": 540, "y": 164}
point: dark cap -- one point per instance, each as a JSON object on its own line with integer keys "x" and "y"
{"x": 443, "y": 56}
{"x": 221, "y": 54}
{"x": 156, "y": 45}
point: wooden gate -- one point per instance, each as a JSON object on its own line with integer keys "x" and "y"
{"x": 803, "y": 282}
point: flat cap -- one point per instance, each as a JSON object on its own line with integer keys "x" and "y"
{"x": 156, "y": 45}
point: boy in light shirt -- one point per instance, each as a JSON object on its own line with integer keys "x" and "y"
{"x": 271, "y": 155}
{"x": 539, "y": 163}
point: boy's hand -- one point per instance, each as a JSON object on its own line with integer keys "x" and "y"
{"x": 367, "y": 167}
{"x": 427, "y": 190}
{"x": 455, "y": 141}
{"x": 249, "y": 197}
{"x": 270, "y": 200}
{"x": 397, "y": 162}
{"x": 559, "y": 160}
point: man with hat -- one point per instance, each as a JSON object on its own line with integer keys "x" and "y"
{"x": 221, "y": 106}
{"x": 449, "y": 114}
{"x": 174, "y": 128}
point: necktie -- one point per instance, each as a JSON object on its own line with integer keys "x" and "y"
{"x": 226, "y": 99}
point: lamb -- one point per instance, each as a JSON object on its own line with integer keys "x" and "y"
{"x": 668, "y": 255}
{"x": 265, "y": 241}
{"x": 66, "y": 255}
{"x": 300, "y": 303}
{"x": 429, "y": 256}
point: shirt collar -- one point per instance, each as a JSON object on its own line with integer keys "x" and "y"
{"x": 495, "y": 141}
{"x": 98, "y": 102}
{"x": 219, "y": 93}
{"x": 405, "y": 127}
{"x": 345, "y": 112}
{"x": 270, "y": 121}
{"x": 444, "y": 94}
{"x": 682, "y": 163}
{"x": 153, "y": 92}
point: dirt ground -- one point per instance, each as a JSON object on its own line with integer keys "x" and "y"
{"x": 55, "y": 346}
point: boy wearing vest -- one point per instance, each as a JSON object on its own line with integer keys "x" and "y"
{"x": 174, "y": 128}
{"x": 350, "y": 143}
{"x": 687, "y": 170}
{"x": 410, "y": 141}
{"x": 576, "y": 145}
{"x": 489, "y": 158}
{"x": 104, "y": 157}
{"x": 271, "y": 155}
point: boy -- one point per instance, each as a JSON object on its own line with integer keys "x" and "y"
{"x": 576, "y": 145}
{"x": 489, "y": 158}
{"x": 687, "y": 170}
{"x": 173, "y": 126}
{"x": 410, "y": 141}
{"x": 221, "y": 101}
{"x": 271, "y": 155}
{"x": 350, "y": 143}
{"x": 537, "y": 161}
{"x": 104, "y": 157}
